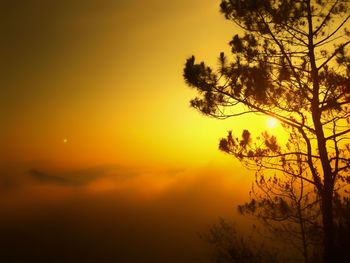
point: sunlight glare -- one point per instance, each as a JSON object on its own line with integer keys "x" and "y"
{"x": 271, "y": 123}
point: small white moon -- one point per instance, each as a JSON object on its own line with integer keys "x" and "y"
{"x": 65, "y": 140}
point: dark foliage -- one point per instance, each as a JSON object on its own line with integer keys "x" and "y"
{"x": 292, "y": 63}
{"x": 230, "y": 246}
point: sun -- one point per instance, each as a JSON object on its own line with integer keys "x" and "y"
{"x": 271, "y": 123}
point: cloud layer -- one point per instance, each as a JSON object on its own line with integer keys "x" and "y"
{"x": 112, "y": 213}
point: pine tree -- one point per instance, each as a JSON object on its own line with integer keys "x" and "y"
{"x": 292, "y": 63}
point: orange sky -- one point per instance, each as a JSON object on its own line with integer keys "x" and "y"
{"x": 107, "y": 77}
{"x": 95, "y": 114}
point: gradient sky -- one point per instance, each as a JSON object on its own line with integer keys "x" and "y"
{"x": 107, "y": 76}
{"x": 95, "y": 115}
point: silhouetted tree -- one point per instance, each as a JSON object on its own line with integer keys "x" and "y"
{"x": 288, "y": 210}
{"x": 292, "y": 63}
{"x": 287, "y": 206}
{"x": 342, "y": 227}
{"x": 231, "y": 246}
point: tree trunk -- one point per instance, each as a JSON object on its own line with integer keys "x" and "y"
{"x": 303, "y": 235}
{"x": 328, "y": 226}
{"x": 328, "y": 183}
{"x": 326, "y": 194}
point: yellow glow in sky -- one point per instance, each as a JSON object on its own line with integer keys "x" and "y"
{"x": 86, "y": 78}
{"x": 116, "y": 102}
